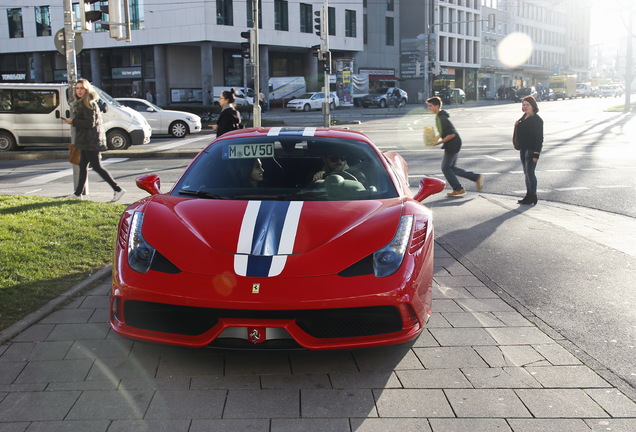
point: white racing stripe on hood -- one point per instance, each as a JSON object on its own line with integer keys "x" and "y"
{"x": 246, "y": 262}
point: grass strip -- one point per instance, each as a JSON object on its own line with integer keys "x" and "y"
{"x": 48, "y": 245}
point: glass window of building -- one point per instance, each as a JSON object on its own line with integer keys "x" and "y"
{"x": 350, "y": 23}
{"x": 42, "y": 21}
{"x": 332, "y": 21}
{"x": 281, "y": 16}
{"x": 306, "y": 24}
{"x": 224, "y": 12}
{"x": 390, "y": 32}
{"x": 15, "y": 23}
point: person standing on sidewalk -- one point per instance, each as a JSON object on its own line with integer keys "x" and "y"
{"x": 89, "y": 137}
{"x": 230, "y": 118}
{"x": 451, "y": 143}
{"x": 529, "y": 135}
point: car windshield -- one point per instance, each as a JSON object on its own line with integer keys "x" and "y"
{"x": 285, "y": 168}
{"x": 381, "y": 90}
{"x": 155, "y": 107}
{"x": 306, "y": 96}
{"x": 106, "y": 97}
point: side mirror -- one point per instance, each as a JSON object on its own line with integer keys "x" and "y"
{"x": 149, "y": 183}
{"x": 429, "y": 186}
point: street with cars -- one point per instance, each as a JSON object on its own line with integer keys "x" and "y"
{"x": 529, "y": 304}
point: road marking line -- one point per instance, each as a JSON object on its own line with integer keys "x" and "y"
{"x": 47, "y": 178}
{"x": 560, "y": 170}
{"x": 613, "y": 186}
{"x": 496, "y": 159}
{"x": 571, "y": 189}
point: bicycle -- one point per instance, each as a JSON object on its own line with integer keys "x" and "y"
{"x": 395, "y": 104}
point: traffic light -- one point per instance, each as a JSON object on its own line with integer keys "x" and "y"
{"x": 88, "y": 15}
{"x": 118, "y": 23}
{"x": 491, "y": 21}
{"x": 317, "y": 20}
{"x": 317, "y": 51}
{"x": 326, "y": 57}
{"x": 249, "y": 48}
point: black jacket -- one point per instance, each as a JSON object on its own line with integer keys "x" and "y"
{"x": 229, "y": 120}
{"x": 530, "y": 134}
{"x": 445, "y": 127}
{"x": 87, "y": 122}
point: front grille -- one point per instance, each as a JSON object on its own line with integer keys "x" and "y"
{"x": 322, "y": 323}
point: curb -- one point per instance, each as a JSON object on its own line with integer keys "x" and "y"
{"x": 32, "y": 318}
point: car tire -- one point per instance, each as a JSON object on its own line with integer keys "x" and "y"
{"x": 307, "y": 108}
{"x": 382, "y": 103}
{"x": 117, "y": 139}
{"x": 7, "y": 142}
{"x": 179, "y": 129}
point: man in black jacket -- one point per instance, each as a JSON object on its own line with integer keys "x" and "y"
{"x": 451, "y": 143}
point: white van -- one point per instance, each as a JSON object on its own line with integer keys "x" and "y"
{"x": 242, "y": 95}
{"x": 31, "y": 115}
{"x": 583, "y": 89}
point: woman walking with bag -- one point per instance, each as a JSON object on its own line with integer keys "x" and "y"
{"x": 529, "y": 136}
{"x": 89, "y": 137}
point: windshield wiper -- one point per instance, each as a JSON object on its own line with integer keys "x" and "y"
{"x": 202, "y": 194}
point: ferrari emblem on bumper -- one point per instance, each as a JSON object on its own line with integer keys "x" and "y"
{"x": 256, "y": 334}
{"x": 256, "y": 288}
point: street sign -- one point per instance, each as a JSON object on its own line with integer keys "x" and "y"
{"x": 60, "y": 42}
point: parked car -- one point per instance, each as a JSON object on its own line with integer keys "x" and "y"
{"x": 583, "y": 89}
{"x": 312, "y": 101}
{"x": 611, "y": 90}
{"x": 379, "y": 97}
{"x": 547, "y": 95}
{"x": 525, "y": 91}
{"x": 30, "y": 115}
{"x": 282, "y": 265}
{"x": 176, "y": 123}
{"x": 458, "y": 96}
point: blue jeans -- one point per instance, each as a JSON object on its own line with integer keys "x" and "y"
{"x": 529, "y": 167}
{"x": 451, "y": 171}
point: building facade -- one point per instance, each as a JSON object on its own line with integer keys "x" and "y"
{"x": 559, "y": 32}
{"x": 180, "y": 51}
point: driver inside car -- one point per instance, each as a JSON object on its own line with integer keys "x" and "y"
{"x": 337, "y": 164}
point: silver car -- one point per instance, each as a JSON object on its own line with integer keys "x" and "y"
{"x": 312, "y": 101}
{"x": 176, "y": 123}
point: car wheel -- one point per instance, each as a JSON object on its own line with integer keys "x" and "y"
{"x": 117, "y": 139}
{"x": 307, "y": 108}
{"x": 382, "y": 103}
{"x": 179, "y": 129}
{"x": 7, "y": 142}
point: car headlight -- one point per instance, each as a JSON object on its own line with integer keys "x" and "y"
{"x": 140, "y": 253}
{"x": 388, "y": 259}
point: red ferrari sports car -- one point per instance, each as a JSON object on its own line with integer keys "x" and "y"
{"x": 278, "y": 238}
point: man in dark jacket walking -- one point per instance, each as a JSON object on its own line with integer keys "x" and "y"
{"x": 451, "y": 143}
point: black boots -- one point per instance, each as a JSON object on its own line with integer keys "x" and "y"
{"x": 528, "y": 199}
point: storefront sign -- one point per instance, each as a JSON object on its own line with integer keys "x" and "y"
{"x": 13, "y": 77}
{"x": 126, "y": 72}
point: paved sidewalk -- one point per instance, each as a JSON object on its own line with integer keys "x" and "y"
{"x": 479, "y": 366}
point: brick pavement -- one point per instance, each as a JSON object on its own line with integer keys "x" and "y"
{"x": 479, "y": 366}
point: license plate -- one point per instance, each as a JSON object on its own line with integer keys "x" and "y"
{"x": 249, "y": 151}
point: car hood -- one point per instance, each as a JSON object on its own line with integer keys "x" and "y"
{"x": 180, "y": 114}
{"x": 310, "y": 238}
